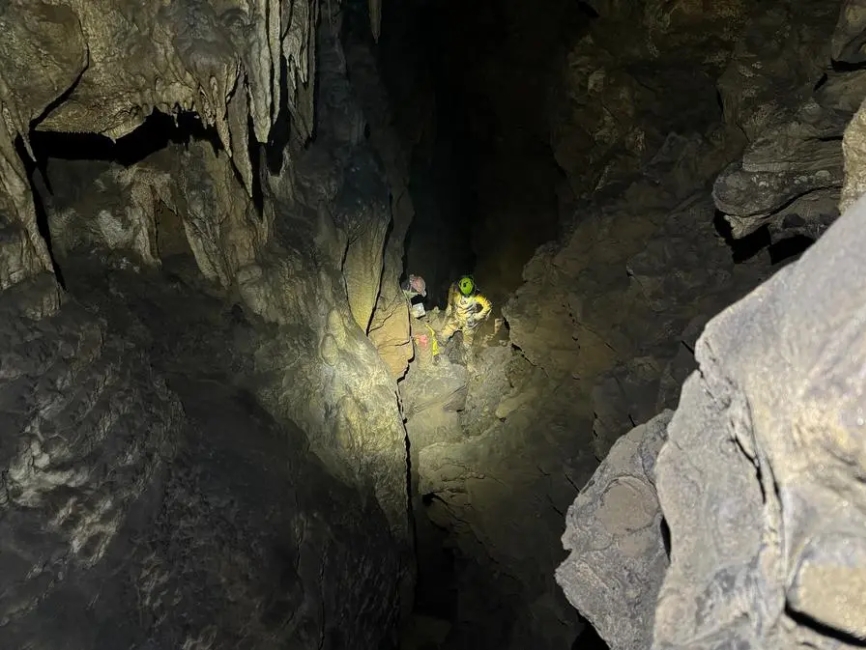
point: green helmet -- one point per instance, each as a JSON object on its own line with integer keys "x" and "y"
{"x": 466, "y": 285}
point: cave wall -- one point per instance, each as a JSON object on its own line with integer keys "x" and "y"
{"x": 309, "y": 260}
{"x": 788, "y": 179}
{"x": 646, "y": 260}
{"x": 150, "y": 503}
{"x": 602, "y": 331}
{"x": 641, "y": 70}
{"x": 756, "y": 474}
{"x": 302, "y": 240}
{"x": 108, "y": 66}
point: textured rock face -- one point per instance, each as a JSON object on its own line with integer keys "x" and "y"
{"x": 613, "y": 531}
{"x": 389, "y": 326}
{"x": 242, "y": 516}
{"x": 611, "y": 306}
{"x": 643, "y": 69}
{"x": 151, "y": 500}
{"x": 112, "y": 64}
{"x": 315, "y": 277}
{"x": 607, "y": 319}
{"x": 617, "y": 302}
{"x": 779, "y": 89}
{"x": 601, "y": 328}
{"x": 780, "y": 463}
{"x": 759, "y": 480}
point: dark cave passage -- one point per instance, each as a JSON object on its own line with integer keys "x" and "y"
{"x": 472, "y": 86}
{"x": 471, "y": 89}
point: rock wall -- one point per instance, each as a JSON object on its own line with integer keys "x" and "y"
{"x": 758, "y": 474}
{"x": 758, "y": 481}
{"x": 389, "y": 327}
{"x": 148, "y": 497}
{"x": 792, "y": 107}
{"x": 305, "y": 260}
{"x": 295, "y": 467}
{"x": 108, "y": 66}
{"x": 594, "y": 333}
{"x": 641, "y": 70}
{"x": 603, "y": 330}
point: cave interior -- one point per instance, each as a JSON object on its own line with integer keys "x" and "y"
{"x": 224, "y": 428}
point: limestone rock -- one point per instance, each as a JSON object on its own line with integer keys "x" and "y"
{"x": 622, "y": 398}
{"x": 338, "y": 386}
{"x": 495, "y": 455}
{"x": 440, "y": 385}
{"x": 793, "y": 112}
{"x": 850, "y": 34}
{"x": 281, "y": 259}
{"x": 364, "y": 215}
{"x": 617, "y": 557}
{"x": 686, "y": 257}
{"x": 758, "y": 196}
{"x": 779, "y": 57}
{"x": 681, "y": 366}
{"x": 842, "y": 90}
{"x": 579, "y": 324}
{"x": 432, "y": 401}
{"x": 758, "y": 479}
{"x": 45, "y": 37}
{"x": 360, "y": 204}
{"x": 539, "y": 315}
{"x": 141, "y": 493}
{"x": 112, "y": 65}
{"x": 389, "y": 328}
{"x": 636, "y": 255}
{"x": 643, "y": 70}
{"x": 307, "y": 260}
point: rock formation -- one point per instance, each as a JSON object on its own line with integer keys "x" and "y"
{"x": 148, "y": 497}
{"x": 757, "y": 480}
{"x": 206, "y": 444}
{"x": 233, "y": 494}
{"x": 617, "y": 544}
{"x": 793, "y": 110}
{"x": 598, "y": 333}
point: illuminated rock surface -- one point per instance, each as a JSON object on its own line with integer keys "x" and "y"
{"x": 217, "y": 432}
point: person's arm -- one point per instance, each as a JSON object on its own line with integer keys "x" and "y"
{"x": 485, "y": 305}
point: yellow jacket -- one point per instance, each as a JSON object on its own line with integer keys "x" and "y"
{"x": 465, "y": 309}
